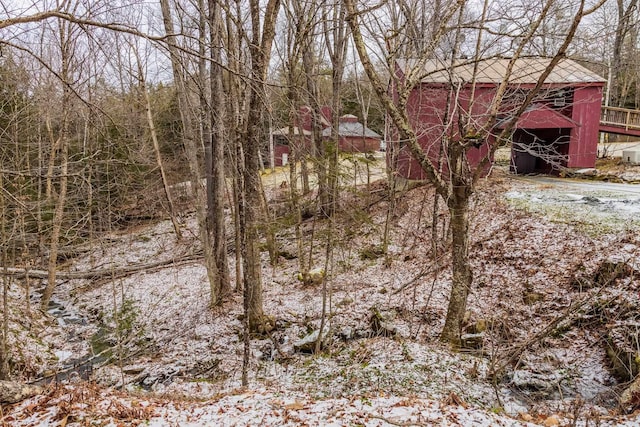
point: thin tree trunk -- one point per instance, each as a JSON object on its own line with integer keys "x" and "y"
{"x": 237, "y": 190}
{"x": 156, "y": 149}
{"x": 336, "y": 30}
{"x": 294, "y": 148}
{"x": 269, "y": 229}
{"x": 55, "y": 143}
{"x": 260, "y": 50}
{"x": 191, "y": 150}
{"x": 458, "y": 205}
{"x": 57, "y": 226}
{"x": 216, "y": 185}
{"x": 63, "y": 139}
{"x": 250, "y": 204}
{"x": 304, "y": 169}
{"x": 4, "y": 356}
{"x": 392, "y": 183}
{"x": 235, "y": 104}
{"x": 317, "y": 144}
{"x": 4, "y": 348}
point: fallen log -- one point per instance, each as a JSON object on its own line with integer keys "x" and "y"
{"x": 107, "y": 273}
{"x": 103, "y": 273}
{"x": 14, "y": 392}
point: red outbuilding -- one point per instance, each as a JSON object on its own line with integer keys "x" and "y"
{"x": 284, "y": 139}
{"x": 353, "y": 136}
{"x": 558, "y": 130}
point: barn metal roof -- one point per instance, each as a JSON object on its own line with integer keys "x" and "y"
{"x": 355, "y": 129}
{"x": 525, "y": 71}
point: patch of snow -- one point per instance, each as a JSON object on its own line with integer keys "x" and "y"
{"x": 63, "y": 355}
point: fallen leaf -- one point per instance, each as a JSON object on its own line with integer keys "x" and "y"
{"x": 454, "y": 399}
{"x": 295, "y": 406}
{"x": 551, "y": 421}
{"x": 525, "y": 416}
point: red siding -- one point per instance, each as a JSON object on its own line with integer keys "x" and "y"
{"x": 583, "y": 148}
{"x": 426, "y": 109}
{"x": 358, "y": 144}
{"x": 278, "y": 151}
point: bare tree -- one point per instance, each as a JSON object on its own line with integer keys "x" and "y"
{"x": 262, "y": 35}
{"x": 335, "y": 35}
{"x": 455, "y": 184}
{"x": 217, "y": 185}
{"x": 60, "y": 142}
{"x": 191, "y": 148}
{"x": 156, "y": 146}
{"x": 237, "y": 100}
{"x": 626, "y": 28}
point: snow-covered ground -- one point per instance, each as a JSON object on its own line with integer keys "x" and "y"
{"x": 179, "y": 362}
{"x": 89, "y": 405}
{"x": 601, "y": 206}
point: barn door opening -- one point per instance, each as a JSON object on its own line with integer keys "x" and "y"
{"x": 539, "y": 150}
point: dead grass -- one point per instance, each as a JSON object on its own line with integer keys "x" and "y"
{"x": 610, "y": 164}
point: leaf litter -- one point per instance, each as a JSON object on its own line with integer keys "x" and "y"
{"x": 181, "y": 360}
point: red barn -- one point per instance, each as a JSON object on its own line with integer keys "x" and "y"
{"x": 559, "y": 129}
{"x": 282, "y": 141}
{"x": 354, "y": 137}
{"x": 300, "y": 139}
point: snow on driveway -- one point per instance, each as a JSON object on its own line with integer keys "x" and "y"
{"x": 601, "y": 206}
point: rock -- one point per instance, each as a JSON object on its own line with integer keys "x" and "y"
{"x": 205, "y": 368}
{"x": 308, "y": 343}
{"x": 287, "y": 255}
{"x": 472, "y": 341}
{"x": 631, "y": 177}
{"x": 165, "y": 377}
{"x": 13, "y": 392}
{"x": 267, "y": 352}
{"x": 148, "y": 381}
{"x": 524, "y": 416}
{"x": 133, "y": 369}
{"x": 347, "y": 333}
{"x": 536, "y": 382}
{"x": 380, "y": 323}
{"x": 622, "y": 344}
{"x": 630, "y": 398}
{"x": 312, "y": 277}
{"x": 586, "y": 172}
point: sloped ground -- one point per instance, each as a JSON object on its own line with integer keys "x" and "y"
{"x": 161, "y": 336}
{"x": 89, "y": 405}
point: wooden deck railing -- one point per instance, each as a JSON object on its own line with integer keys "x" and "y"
{"x": 620, "y": 117}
